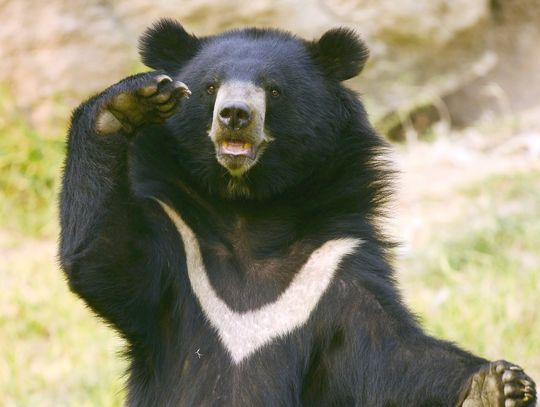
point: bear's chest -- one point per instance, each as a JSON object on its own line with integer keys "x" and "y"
{"x": 251, "y": 303}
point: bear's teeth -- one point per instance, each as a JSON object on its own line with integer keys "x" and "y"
{"x": 235, "y": 148}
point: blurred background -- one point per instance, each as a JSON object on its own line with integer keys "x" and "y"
{"x": 453, "y": 84}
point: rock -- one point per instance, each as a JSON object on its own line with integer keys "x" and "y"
{"x": 56, "y": 53}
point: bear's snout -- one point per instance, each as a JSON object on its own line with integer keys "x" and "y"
{"x": 237, "y": 128}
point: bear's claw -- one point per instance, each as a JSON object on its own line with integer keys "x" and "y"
{"x": 147, "y": 99}
{"x": 501, "y": 384}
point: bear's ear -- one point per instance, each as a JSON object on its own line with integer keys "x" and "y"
{"x": 167, "y": 45}
{"x": 340, "y": 53}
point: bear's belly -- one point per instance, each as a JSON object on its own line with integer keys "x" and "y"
{"x": 197, "y": 370}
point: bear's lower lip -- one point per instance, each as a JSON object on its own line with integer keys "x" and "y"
{"x": 238, "y": 156}
{"x": 237, "y": 148}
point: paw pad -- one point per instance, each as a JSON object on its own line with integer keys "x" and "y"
{"x": 501, "y": 384}
{"x": 141, "y": 100}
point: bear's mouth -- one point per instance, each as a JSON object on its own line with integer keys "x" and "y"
{"x": 238, "y": 156}
{"x": 237, "y": 148}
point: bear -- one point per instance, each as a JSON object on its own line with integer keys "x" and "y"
{"x": 222, "y": 213}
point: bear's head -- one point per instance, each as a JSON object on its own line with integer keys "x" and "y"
{"x": 266, "y": 110}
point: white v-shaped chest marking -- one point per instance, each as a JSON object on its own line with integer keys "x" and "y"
{"x": 244, "y": 333}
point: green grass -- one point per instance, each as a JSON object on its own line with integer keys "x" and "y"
{"x": 30, "y": 167}
{"x": 477, "y": 285}
{"x": 54, "y": 352}
{"x": 478, "y": 282}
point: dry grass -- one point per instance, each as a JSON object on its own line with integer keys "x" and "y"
{"x": 53, "y": 351}
{"x": 472, "y": 270}
{"x": 477, "y": 282}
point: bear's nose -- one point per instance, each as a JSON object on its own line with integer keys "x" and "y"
{"x": 235, "y": 115}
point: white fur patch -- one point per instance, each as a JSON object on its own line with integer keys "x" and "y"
{"x": 244, "y": 333}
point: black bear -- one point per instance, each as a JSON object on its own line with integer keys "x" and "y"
{"x": 221, "y": 213}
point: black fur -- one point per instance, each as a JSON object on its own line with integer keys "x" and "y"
{"x": 340, "y": 53}
{"x": 324, "y": 177}
{"x": 167, "y": 45}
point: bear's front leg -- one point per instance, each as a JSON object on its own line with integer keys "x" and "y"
{"x": 107, "y": 232}
{"x": 150, "y": 100}
{"x": 501, "y": 384}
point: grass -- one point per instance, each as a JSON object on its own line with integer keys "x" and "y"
{"x": 53, "y": 351}
{"x": 30, "y": 166}
{"x": 477, "y": 282}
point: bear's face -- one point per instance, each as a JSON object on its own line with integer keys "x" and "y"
{"x": 264, "y": 110}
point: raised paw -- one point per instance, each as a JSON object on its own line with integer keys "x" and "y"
{"x": 140, "y": 100}
{"x": 501, "y": 384}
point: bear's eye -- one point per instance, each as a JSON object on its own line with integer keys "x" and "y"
{"x": 211, "y": 89}
{"x": 275, "y": 93}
